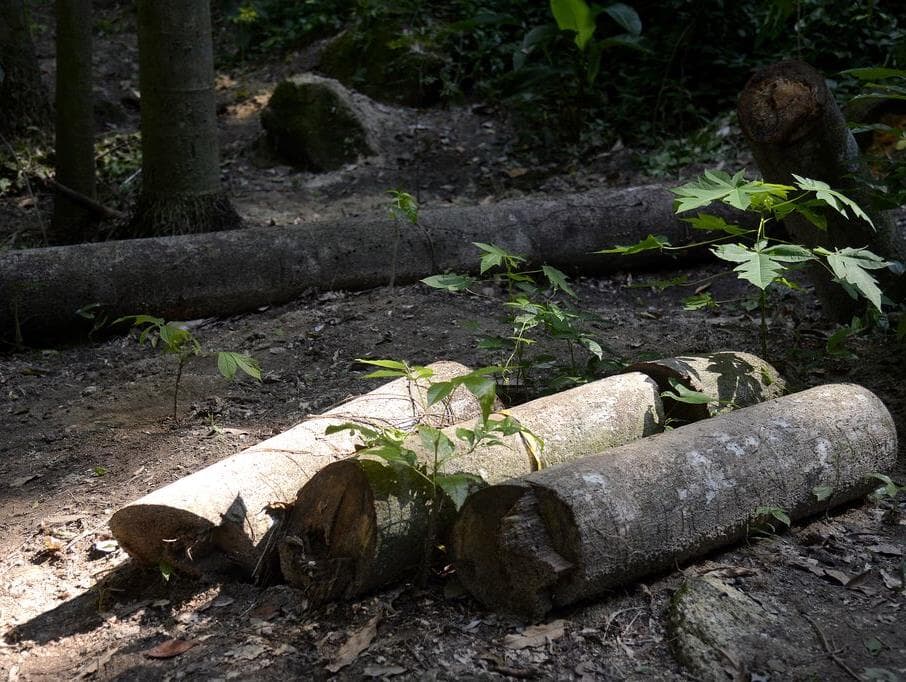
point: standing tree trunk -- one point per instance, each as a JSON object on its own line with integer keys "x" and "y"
{"x": 181, "y": 192}
{"x": 72, "y": 221}
{"x": 23, "y": 100}
{"x": 793, "y": 125}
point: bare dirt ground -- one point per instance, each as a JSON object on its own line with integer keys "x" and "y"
{"x": 87, "y": 428}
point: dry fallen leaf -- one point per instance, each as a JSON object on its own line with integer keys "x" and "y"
{"x": 536, "y": 635}
{"x": 357, "y": 643}
{"x": 171, "y": 648}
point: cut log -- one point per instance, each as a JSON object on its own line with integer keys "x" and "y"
{"x": 611, "y": 518}
{"x": 224, "y": 508}
{"x": 732, "y": 378}
{"x": 191, "y": 276}
{"x": 358, "y": 524}
{"x": 793, "y": 125}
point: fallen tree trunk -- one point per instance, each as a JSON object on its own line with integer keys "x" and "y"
{"x": 224, "y": 508}
{"x": 221, "y": 273}
{"x": 359, "y": 524}
{"x": 793, "y": 125}
{"x": 575, "y": 531}
{"x": 731, "y": 379}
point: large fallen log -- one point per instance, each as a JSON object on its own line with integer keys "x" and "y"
{"x": 220, "y": 273}
{"x": 358, "y": 524}
{"x": 223, "y": 510}
{"x": 793, "y": 125}
{"x": 577, "y": 530}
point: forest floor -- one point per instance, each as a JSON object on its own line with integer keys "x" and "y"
{"x": 87, "y": 428}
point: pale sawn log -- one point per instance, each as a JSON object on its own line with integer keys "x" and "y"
{"x": 733, "y": 379}
{"x": 792, "y": 124}
{"x": 221, "y": 273}
{"x": 358, "y": 525}
{"x": 575, "y": 531}
{"x": 223, "y": 509}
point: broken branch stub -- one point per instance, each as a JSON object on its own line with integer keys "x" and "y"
{"x": 577, "y": 530}
{"x": 223, "y": 508}
{"x": 359, "y": 524}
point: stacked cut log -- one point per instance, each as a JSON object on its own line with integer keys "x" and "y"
{"x": 575, "y": 531}
{"x": 358, "y": 524}
{"x": 222, "y": 511}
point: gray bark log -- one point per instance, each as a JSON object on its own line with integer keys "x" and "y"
{"x": 222, "y": 510}
{"x": 74, "y": 153}
{"x": 358, "y": 525}
{"x": 611, "y": 518}
{"x": 229, "y": 272}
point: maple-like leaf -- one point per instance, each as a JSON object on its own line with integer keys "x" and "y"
{"x": 851, "y": 267}
{"x": 836, "y": 200}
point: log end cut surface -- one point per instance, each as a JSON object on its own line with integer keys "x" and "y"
{"x": 781, "y": 102}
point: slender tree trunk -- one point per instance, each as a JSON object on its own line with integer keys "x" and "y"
{"x": 72, "y": 220}
{"x": 181, "y": 190}
{"x": 23, "y": 100}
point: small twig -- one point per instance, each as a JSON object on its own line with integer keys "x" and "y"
{"x": 831, "y": 651}
{"x": 86, "y": 201}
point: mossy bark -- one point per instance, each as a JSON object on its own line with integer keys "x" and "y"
{"x": 181, "y": 189}
{"x": 23, "y": 98}
{"x": 74, "y": 154}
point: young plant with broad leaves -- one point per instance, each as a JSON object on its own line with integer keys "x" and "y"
{"x": 181, "y": 343}
{"x": 761, "y": 258}
{"x": 534, "y": 304}
{"x": 447, "y": 487}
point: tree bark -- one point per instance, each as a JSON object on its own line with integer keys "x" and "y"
{"x": 793, "y": 125}
{"x": 578, "y": 530}
{"x": 181, "y": 190}
{"x": 223, "y": 512}
{"x": 358, "y": 524}
{"x": 23, "y": 99}
{"x": 74, "y": 153}
{"x": 733, "y": 379}
{"x": 229, "y": 272}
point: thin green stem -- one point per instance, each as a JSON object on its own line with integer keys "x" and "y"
{"x": 762, "y": 304}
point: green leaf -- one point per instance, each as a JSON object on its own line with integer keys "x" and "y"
{"x": 649, "y": 243}
{"x": 836, "y": 200}
{"x": 822, "y": 492}
{"x": 449, "y": 282}
{"x": 707, "y": 221}
{"x": 392, "y": 453}
{"x": 389, "y": 364}
{"x": 789, "y": 253}
{"x": 627, "y": 18}
{"x": 755, "y": 265}
{"x": 459, "y": 486}
{"x": 439, "y": 390}
{"x": 574, "y": 15}
{"x": 684, "y": 394}
{"x": 495, "y": 256}
{"x": 775, "y": 512}
{"x": 166, "y": 569}
{"x": 851, "y": 266}
{"x": 699, "y": 301}
{"x": 228, "y": 362}
{"x": 435, "y": 441}
{"x": 718, "y": 186}
{"x": 484, "y": 388}
{"x": 874, "y": 73}
{"x": 557, "y": 279}
{"x": 367, "y": 433}
{"x": 592, "y": 347}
